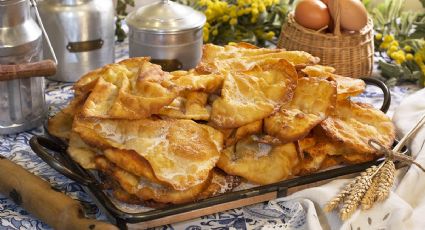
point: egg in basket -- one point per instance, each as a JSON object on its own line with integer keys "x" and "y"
{"x": 245, "y": 114}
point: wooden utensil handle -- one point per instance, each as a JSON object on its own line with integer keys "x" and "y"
{"x": 36, "y": 196}
{"x": 27, "y": 70}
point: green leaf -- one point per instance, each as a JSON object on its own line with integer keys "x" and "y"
{"x": 419, "y": 30}
{"x": 389, "y": 70}
{"x": 423, "y": 3}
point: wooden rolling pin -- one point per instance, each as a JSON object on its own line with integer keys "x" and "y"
{"x": 36, "y": 196}
{"x": 27, "y": 70}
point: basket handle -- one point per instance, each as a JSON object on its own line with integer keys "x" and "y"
{"x": 335, "y": 7}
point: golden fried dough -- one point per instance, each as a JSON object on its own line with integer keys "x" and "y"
{"x": 130, "y": 93}
{"x": 259, "y": 163}
{"x": 234, "y": 135}
{"x": 123, "y": 196}
{"x": 180, "y": 152}
{"x": 87, "y": 82}
{"x": 220, "y": 183}
{"x": 192, "y": 105}
{"x": 264, "y": 115}
{"x": 354, "y": 158}
{"x": 80, "y": 152}
{"x": 215, "y": 136}
{"x": 354, "y": 124}
{"x": 320, "y": 151}
{"x": 316, "y": 149}
{"x": 291, "y": 124}
{"x": 253, "y": 95}
{"x": 147, "y": 190}
{"x": 318, "y": 71}
{"x": 312, "y": 162}
{"x": 240, "y": 57}
{"x": 314, "y": 96}
{"x": 267, "y": 139}
{"x": 60, "y": 124}
{"x": 132, "y": 162}
{"x": 346, "y": 86}
{"x": 194, "y": 81}
{"x": 313, "y": 101}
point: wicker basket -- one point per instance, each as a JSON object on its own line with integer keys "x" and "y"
{"x": 350, "y": 54}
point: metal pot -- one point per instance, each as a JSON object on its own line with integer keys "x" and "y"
{"x": 22, "y": 102}
{"x": 82, "y": 35}
{"x": 168, "y": 32}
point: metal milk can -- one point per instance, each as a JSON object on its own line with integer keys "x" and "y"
{"x": 22, "y": 102}
{"x": 82, "y": 34}
{"x": 168, "y": 32}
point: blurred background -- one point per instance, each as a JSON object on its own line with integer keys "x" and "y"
{"x": 410, "y": 4}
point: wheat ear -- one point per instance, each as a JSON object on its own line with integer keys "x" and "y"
{"x": 385, "y": 180}
{"x": 370, "y": 196}
{"x": 331, "y": 205}
{"x": 357, "y": 193}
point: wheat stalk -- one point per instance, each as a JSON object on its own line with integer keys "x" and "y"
{"x": 331, "y": 205}
{"x": 356, "y": 195}
{"x": 370, "y": 196}
{"x": 385, "y": 180}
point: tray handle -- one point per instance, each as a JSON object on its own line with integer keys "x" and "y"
{"x": 387, "y": 94}
{"x": 54, "y": 153}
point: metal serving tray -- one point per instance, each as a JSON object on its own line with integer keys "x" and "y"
{"x": 53, "y": 152}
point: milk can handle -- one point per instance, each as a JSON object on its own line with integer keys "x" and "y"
{"x": 33, "y": 69}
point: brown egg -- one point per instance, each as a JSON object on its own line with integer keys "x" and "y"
{"x": 326, "y": 2}
{"x": 312, "y": 14}
{"x": 353, "y": 14}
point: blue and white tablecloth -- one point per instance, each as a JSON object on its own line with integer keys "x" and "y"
{"x": 276, "y": 214}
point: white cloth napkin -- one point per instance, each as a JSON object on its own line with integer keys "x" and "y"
{"x": 405, "y": 207}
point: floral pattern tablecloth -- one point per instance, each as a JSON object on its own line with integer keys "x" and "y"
{"x": 276, "y": 214}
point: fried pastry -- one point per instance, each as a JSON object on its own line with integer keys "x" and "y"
{"x": 123, "y": 196}
{"x": 192, "y": 105}
{"x": 194, "y": 81}
{"x": 147, "y": 190}
{"x": 60, "y": 125}
{"x": 80, "y": 152}
{"x": 86, "y": 83}
{"x": 220, "y": 184}
{"x": 354, "y": 124}
{"x": 316, "y": 151}
{"x": 346, "y": 86}
{"x": 240, "y": 57}
{"x": 313, "y": 101}
{"x": 215, "y": 136}
{"x": 318, "y": 71}
{"x": 132, "y": 162}
{"x": 256, "y": 118}
{"x": 180, "y": 152}
{"x": 259, "y": 163}
{"x": 253, "y": 95}
{"x": 321, "y": 151}
{"x": 234, "y": 135}
{"x": 130, "y": 93}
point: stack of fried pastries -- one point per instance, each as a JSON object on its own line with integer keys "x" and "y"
{"x": 243, "y": 114}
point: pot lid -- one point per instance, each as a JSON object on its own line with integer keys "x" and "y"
{"x": 165, "y": 16}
